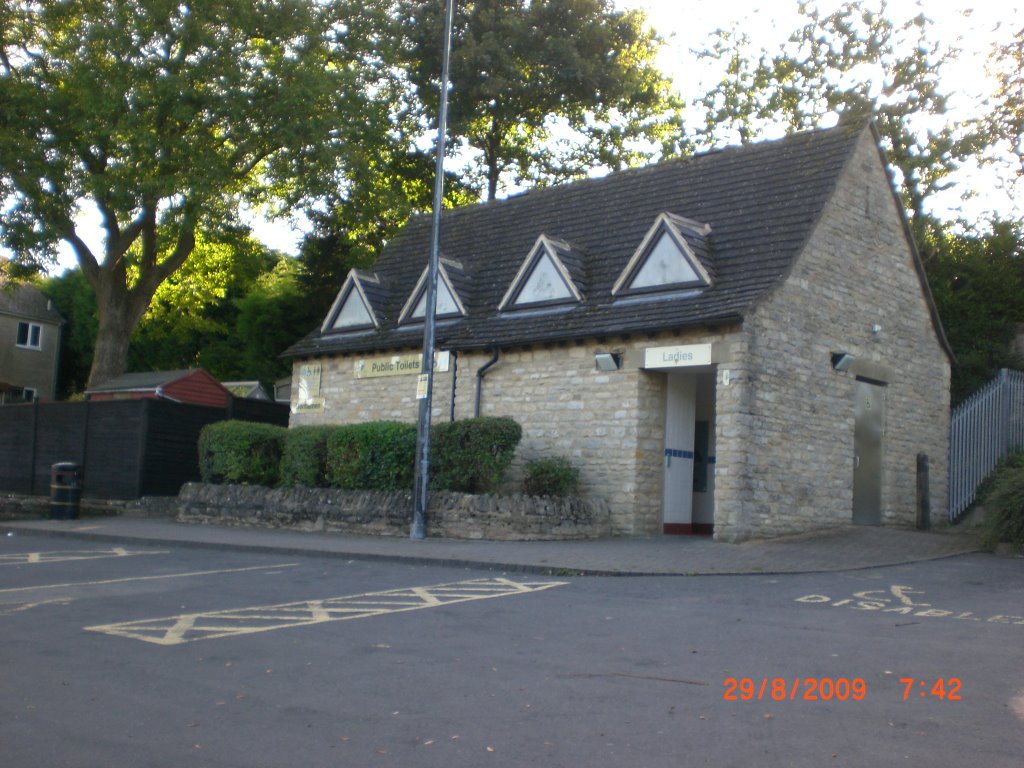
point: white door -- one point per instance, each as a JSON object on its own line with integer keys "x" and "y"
{"x": 680, "y": 418}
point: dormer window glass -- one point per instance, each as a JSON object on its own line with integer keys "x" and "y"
{"x": 669, "y": 258}
{"x": 545, "y": 277}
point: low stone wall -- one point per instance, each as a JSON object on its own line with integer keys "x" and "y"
{"x": 451, "y": 515}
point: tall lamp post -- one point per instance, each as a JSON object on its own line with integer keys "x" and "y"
{"x": 425, "y": 383}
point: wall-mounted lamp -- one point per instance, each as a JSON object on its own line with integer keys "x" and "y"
{"x": 608, "y": 361}
{"x": 841, "y": 361}
{"x": 876, "y": 329}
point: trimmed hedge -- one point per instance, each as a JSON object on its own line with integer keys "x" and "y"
{"x": 378, "y": 456}
{"x": 240, "y": 452}
{"x": 555, "y": 476}
{"x": 472, "y": 455}
{"x": 304, "y": 459}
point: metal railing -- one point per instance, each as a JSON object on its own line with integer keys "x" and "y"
{"x": 983, "y": 430}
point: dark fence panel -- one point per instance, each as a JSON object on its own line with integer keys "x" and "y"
{"x": 116, "y": 431}
{"x": 127, "y": 448}
{"x": 258, "y": 410}
{"x": 60, "y": 436}
{"x": 17, "y": 427}
{"x": 172, "y": 457}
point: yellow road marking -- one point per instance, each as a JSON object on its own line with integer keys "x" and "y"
{"x": 189, "y": 627}
{"x": 148, "y": 578}
{"x": 23, "y": 558}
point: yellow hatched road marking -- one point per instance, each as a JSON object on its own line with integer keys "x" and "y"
{"x": 24, "y": 558}
{"x": 189, "y": 627}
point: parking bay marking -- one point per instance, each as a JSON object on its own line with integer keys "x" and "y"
{"x": 189, "y": 627}
{"x": 23, "y": 558}
{"x": 102, "y": 582}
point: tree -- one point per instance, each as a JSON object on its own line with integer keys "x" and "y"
{"x": 525, "y": 72}
{"x": 165, "y": 116}
{"x": 853, "y": 64}
{"x": 1007, "y": 119}
{"x": 978, "y": 285}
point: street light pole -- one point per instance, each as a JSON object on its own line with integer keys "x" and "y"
{"x": 425, "y": 384}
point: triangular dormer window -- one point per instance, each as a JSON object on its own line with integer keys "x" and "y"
{"x": 353, "y": 308}
{"x": 669, "y": 258}
{"x": 545, "y": 278}
{"x": 448, "y": 303}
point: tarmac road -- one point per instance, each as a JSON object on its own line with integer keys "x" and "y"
{"x": 140, "y": 655}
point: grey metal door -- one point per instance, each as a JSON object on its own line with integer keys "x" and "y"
{"x": 868, "y": 427}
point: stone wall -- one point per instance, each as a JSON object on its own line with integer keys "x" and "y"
{"x": 609, "y": 424}
{"x": 855, "y": 289}
{"x": 451, "y": 515}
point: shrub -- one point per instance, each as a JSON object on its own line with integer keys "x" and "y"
{"x": 240, "y": 452}
{"x": 472, "y": 455}
{"x": 1004, "y": 504}
{"x": 554, "y": 476}
{"x": 378, "y": 456}
{"x": 304, "y": 457}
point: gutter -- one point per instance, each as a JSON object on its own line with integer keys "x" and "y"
{"x": 480, "y": 373}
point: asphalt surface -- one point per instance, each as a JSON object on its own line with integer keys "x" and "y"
{"x": 849, "y": 548}
{"x": 218, "y": 656}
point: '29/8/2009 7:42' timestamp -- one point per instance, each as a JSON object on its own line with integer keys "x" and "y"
{"x": 830, "y": 689}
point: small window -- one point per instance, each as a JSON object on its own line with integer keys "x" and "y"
{"x": 668, "y": 259}
{"x": 545, "y": 277}
{"x": 353, "y": 309}
{"x": 448, "y": 304}
{"x": 30, "y": 335}
{"x": 29, "y": 394}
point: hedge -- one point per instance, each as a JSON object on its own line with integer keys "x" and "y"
{"x": 555, "y": 476}
{"x": 378, "y": 456}
{"x": 304, "y": 458}
{"x": 1003, "y": 500}
{"x": 472, "y": 455}
{"x": 240, "y": 452}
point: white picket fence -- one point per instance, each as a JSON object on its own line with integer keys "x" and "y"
{"x": 983, "y": 429}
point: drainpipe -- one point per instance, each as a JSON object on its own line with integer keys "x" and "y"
{"x": 481, "y": 372}
{"x": 455, "y": 381}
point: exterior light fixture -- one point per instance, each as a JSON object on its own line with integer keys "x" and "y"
{"x": 841, "y": 361}
{"x": 608, "y": 361}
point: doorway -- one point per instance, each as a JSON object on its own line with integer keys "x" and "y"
{"x": 868, "y": 428}
{"x": 688, "y": 489}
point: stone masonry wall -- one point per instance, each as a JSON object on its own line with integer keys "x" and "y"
{"x": 856, "y": 273}
{"x": 610, "y": 424}
{"x": 451, "y": 515}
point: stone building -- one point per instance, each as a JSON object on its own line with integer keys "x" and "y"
{"x": 741, "y": 341}
{"x": 30, "y": 338}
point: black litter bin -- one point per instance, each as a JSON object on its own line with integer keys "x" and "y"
{"x": 65, "y": 490}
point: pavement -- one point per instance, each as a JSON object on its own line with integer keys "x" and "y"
{"x": 844, "y": 549}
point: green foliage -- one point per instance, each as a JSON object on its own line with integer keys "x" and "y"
{"x": 555, "y": 476}
{"x": 166, "y": 117}
{"x": 521, "y": 67}
{"x": 854, "y": 63}
{"x": 304, "y": 458}
{"x": 240, "y": 452}
{"x": 472, "y": 455}
{"x": 75, "y": 300}
{"x": 1003, "y": 501}
{"x": 1007, "y": 119}
{"x": 378, "y": 456}
{"x": 978, "y": 286}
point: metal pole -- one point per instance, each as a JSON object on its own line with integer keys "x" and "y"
{"x": 425, "y": 387}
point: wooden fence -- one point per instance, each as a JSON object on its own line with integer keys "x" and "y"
{"x": 126, "y": 448}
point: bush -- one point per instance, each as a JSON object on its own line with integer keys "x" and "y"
{"x": 472, "y": 455}
{"x": 240, "y": 452}
{"x": 304, "y": 457}
{"x": 1004, "y": 504}
{"x": 379, "y": 456}
{"x": 555, "y": 476}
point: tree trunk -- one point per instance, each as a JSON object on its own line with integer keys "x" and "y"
{"x": 110, "y": 356}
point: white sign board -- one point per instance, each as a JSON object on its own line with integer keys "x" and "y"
{"x": 686, "y": 356}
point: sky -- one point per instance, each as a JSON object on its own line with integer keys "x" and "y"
{"x": 686, "y": 25}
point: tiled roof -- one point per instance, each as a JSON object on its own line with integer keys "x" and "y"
{"x": 145, "y": 380}
{"x": 761, "y": 202}
{"x": 28, "y": 302}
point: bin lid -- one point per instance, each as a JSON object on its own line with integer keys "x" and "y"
{"x": 66, "y": 466}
